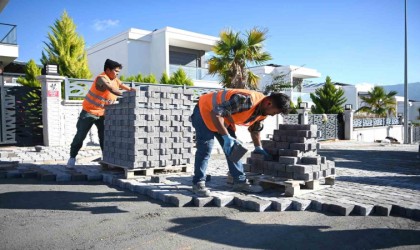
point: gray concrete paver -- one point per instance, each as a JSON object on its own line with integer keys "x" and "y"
{"x": 370, "y": 178}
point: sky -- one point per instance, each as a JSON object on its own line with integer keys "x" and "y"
{"x": 352, "y": 41}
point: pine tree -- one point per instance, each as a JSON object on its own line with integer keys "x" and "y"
{"x": 164, "y": 79}
{"x": 66, "y": 49}
{"x": 31, "y": 72}
{"x": 328, "y": 99}
{"x": 180, "y": 78}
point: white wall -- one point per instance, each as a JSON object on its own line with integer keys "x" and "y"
{"x": 138, "y": 51}
{"x": 159, "y": 54}
{"x": 116, "y": 52}
{"x": 413, "y": 111}
{"x": 379, "y": 133}
{"x": 70, "y": 114}
{"x": 350, "y": 93}
{"x": 270, "y": 124}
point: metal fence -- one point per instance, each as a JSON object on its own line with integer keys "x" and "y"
{"x": 415, "y": 133}
{"x": 374, "y": 122}
{"x": 332, "y": 128}
{"x": 76, "y": 89}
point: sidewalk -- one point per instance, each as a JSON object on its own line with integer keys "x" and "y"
{"x": 372, "y": 179}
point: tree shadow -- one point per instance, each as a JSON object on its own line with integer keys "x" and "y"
{"x": 235, "y": 233}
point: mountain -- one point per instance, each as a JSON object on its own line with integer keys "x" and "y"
{"x": 413, "y": 90}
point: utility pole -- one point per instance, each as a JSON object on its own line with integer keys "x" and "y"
{"x": 405, "y": 78}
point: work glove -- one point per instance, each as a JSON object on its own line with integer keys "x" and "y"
{"x": 228, "y": 142}
{"x": 260, "y": 150}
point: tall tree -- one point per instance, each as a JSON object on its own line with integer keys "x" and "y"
{"x": 31, "y": 72}
{"x": 66, "y": 49}
{"x": 328, "y": 99}
{"x": 233, "y": 55}
{"x": 378, "y": 102}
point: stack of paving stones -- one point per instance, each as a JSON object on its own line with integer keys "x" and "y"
{"x": 149, "y": 128}
{"x": 294, "y": 150}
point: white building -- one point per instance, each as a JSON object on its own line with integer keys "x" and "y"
{"x": 295, "y": 75}
{"x": 353, "y": 94}
{"x": 156, "y": 52}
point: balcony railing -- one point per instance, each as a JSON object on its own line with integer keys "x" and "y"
{"x": 193, "y": 72}
{"x": 8, "y": 33}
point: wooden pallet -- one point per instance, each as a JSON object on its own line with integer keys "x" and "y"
{"x": 134, "y": 173}
{"x": 292, "y": 187}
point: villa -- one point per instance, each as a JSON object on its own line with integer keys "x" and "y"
{"x": 168, "y": 49}
{"x": 156, "y": 52}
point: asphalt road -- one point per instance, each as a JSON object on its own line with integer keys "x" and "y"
{"x": 36, "y": 215}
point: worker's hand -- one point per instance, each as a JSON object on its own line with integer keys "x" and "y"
{"x": 260, "y": 150}
{"x": 132, "y": 89}
{"x": 228, "y": 142}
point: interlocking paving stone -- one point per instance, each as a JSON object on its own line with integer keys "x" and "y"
{"x": 371, "y": 180}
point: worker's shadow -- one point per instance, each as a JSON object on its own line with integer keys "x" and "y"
{"x": 236, "y": 233}
{"x": 95, "y": 203}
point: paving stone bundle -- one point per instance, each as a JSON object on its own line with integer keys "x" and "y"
{"x": 149, "y": 128}
{"x": 294, "y": 150}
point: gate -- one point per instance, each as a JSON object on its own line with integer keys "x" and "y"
{"x": 333, "y": 128}
{"x": 20, "y": 115}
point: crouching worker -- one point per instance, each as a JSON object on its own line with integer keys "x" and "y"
{"x": 216, "y": 115}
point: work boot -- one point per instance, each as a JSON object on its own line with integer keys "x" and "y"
{"x": 200, "y": 189}
{"x": 247, "y": 187}
{"x": 71, "y": 163}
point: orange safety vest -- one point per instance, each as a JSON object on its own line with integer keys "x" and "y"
{"x": 95, "y": 100}
{"x": 207, "y": 102}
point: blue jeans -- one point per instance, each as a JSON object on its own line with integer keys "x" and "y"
{"x": 84, "y": 124}
{"x": 205, "y": 141}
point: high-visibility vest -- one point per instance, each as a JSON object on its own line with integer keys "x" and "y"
{"x": 95, "y": 100}
{"x": 208, "y": 101}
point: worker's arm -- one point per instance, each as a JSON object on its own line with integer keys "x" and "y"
{"x": 256, "y": 139}
{"x": 125, "y": 87}
{"x": 254, "y": 131}
{"x": 104, "y": 83}
{"x": 219, "y": 121}
{"x": 236, "y": 104}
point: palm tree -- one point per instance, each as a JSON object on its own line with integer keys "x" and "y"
{"x": 378, "y": 102}
{"x": 233, "y": 54}
{"x": 328, "y": 99}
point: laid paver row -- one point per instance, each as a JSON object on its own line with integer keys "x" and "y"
{"x": 338, "y": 199}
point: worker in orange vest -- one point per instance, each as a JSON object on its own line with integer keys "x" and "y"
{"x": 216, "y": 115}
{"x": 104, "y": 91}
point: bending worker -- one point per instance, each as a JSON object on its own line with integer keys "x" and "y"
{"x": 216, "y": 116}
{"x": 104, "y": 91}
